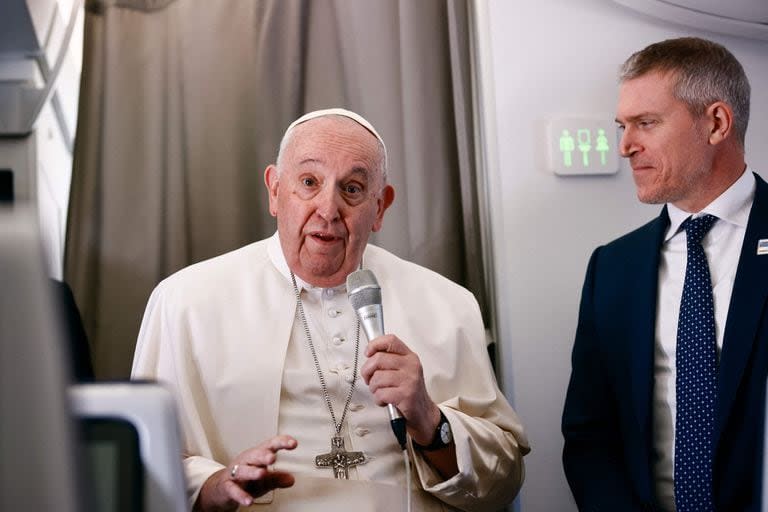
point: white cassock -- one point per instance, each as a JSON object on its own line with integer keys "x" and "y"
{"x": 224, "y": 335}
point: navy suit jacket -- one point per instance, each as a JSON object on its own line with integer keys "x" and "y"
{"x": 607, "y": 420}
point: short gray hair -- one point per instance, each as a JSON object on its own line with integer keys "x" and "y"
{"x": 705, "y": 72}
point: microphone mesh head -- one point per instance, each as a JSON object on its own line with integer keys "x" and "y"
{"x": 363, "y": 289}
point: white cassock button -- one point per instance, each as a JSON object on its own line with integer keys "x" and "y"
{"x": 338, "y": 340}
{"x": 333, "y": 313}
{"x": 360, "y": 432}
{"x": 356, "y": 407}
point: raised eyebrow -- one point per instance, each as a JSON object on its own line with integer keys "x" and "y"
{"x": 310, "y": 161}
{"x": 358, "y": 171}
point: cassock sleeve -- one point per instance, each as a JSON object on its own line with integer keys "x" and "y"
{"x": 489, "y": 438}
{"x": 162, "y": 354}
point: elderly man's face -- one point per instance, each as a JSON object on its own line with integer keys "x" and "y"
{"x": 327, "y": 198}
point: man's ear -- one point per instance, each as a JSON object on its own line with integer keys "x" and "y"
{"x": 386, "y": 198}
{"x": 720, "y": 116}
{"x": 272, "y": 181}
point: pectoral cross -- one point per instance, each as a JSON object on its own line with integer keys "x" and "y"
{"x": 339, "y": 459}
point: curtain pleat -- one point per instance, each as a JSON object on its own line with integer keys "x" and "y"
{"x": 475, "y": 276}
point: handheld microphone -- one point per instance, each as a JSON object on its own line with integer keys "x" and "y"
{"x": 365, "y": 295}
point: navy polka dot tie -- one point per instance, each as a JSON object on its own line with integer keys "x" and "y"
{"x": 696, "y": 377}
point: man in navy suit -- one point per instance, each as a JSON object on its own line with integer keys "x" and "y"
{"x": 683, "y": 110}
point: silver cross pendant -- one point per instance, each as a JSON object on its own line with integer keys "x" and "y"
{"x": 339, "y": 459}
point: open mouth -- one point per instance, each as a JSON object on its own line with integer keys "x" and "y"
{"x": 324, "y": 237}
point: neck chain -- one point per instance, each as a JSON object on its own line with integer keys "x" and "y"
{"x": 338, "y": 459}
{"x": 336, "y": 425}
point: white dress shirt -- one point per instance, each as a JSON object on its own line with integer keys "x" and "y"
{"x": 722, "y": 246}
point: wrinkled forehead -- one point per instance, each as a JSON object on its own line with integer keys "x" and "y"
{"x": 345, "y": 120}
{"x": 335, "y": 134}
{"x": 647, "y": 89}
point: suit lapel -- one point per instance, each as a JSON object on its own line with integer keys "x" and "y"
{"x": 750, "y": 290}
{"x": 642, "y": 317}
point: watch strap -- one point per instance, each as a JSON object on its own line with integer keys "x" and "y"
{"x": 437, "y": 439}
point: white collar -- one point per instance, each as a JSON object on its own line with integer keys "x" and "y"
{"x": 731, "y": 206}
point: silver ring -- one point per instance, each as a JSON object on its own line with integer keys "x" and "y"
{"x": 233, "y": 471}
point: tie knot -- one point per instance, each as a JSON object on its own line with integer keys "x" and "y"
{"x": 695, "y": 229}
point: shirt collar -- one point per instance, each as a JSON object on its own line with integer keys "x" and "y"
{"x": 276, "y": 256}
{"x": 731, "y": 206}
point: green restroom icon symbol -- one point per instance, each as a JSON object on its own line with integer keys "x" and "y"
{"x": 585, "y": 143}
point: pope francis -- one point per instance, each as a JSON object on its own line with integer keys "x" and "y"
{"x": 279, "y": 399}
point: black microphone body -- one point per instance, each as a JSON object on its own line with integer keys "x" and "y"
{"x": 365, "y": 295}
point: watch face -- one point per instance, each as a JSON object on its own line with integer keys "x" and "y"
{"x": 445, "y": 433}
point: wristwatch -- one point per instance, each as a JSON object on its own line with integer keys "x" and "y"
{"x": 442, "y": 438}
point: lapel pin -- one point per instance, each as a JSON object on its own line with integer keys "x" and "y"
{"x": 762, "y": 246}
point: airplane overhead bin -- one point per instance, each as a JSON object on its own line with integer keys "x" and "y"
{"x": 742, "y": 18}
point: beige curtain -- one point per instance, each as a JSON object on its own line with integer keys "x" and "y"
{"x": 183, "y": 104}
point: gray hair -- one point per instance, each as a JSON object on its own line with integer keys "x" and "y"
{"x": 338, "y": 114}
{"x": 705, "y": 72}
